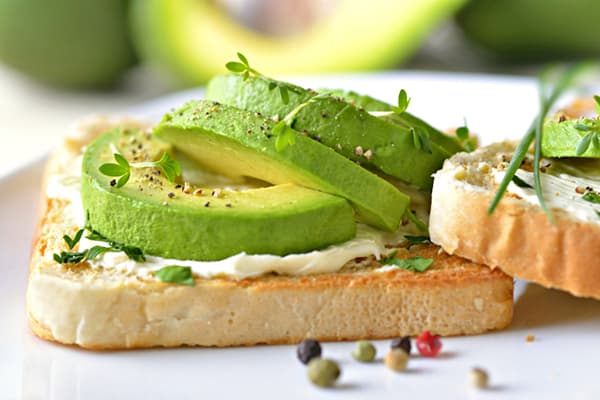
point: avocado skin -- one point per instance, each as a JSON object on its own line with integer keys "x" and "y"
{"x": 533, "y": 29}
{"x": 277, "y": 220}
{"x": 69, "y": 43}
{"x": 236, "y": 142}
{"x": 560, "y": 139}
{"x": 338, "y": 125}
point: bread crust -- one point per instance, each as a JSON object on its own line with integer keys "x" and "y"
{"x": 518, "y": 237}
{"x": 103, "y": 309}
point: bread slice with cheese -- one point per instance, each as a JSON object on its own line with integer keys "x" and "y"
{"x": 100, "y": 307}
{"x": 518, "y": 237}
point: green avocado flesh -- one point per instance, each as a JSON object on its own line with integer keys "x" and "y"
{"x": 235, "y": 142}
{"x": 279, "y": 220}
{"x": 373, "y": 142}
{"x": 562, "y": 138}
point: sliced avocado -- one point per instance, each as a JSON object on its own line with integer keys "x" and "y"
{"x": 193, "y": 39}
{"x": 168, "y": 220}
{"x": 445, "y": 143}
{"x": 571, "y": 138}
{"x": 236, "y": 142}
{"x": 350, "y": 131}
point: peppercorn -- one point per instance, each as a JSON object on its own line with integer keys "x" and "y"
{"x": 428, "y": 345}
{"x": 323, "y": 372}
{"x": 402, "y": 343}
{"x": 396, "y": 360}
{"x": 307, "y": 350}
{"x": 364, "y": 352}
{"x": 479, "y": 378}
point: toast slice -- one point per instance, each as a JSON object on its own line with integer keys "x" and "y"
{"x": 518, "y": 237}
{"x": 102, "y": 308}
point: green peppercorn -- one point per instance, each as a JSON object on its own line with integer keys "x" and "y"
{"x": 396, "y": 360}
{"x": 323, "y": 372}
{"x": 364, "y": 352}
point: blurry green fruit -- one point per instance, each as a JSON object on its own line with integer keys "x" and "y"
{"x": 72, "y": 43}
{"x": 193, "y": 39}
{"x": 534, "y": 29}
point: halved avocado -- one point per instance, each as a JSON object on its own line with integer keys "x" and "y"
{"x": 236, "y": 142}
{"x": 164, "y": 220}
{"x": 195, "y": 38}
{"x": 380, "y": 143}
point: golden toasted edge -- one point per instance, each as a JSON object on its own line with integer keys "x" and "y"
{"x": 454, "y": 297}
{"x": 518, "y": 237}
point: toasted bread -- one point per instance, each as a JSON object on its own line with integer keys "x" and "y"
{"x": 518, "y": 237}
{"x": 101, "y": 308}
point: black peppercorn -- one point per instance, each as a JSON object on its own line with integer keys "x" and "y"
{"x": 307, "y": 350}
{"x": 401, "y": 343}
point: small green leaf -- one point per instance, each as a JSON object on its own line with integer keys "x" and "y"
{"x": 72, "y": 242}
{"x": 584, "y": 143}
{"x": 414, "y": 264}
{"x": 462, "y": 133}
{"x": 69, "y": 257}
{"x": 122, "y": 161}
{"x": 123, "y": 180}
{"x": 417, "y": 239}
{"x": 592, "y": 197}
{"x": 272, "y": 85}
{"x": 175, "y": 274}
{"x": 403, "y": 102}
{"x": 246, "y": 75}
{"x": 235, "y": 66}
{"x": 95, "y": 251}
{"x": 112, "y": 170}
{"x": 583, "y": 127}
{"x": 597, "y": 100}
{"x": 285, "y": 136}
{"x": 521, "y": 183}
{"x": 243, "y": 59}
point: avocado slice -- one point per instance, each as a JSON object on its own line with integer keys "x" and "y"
{"x": 373, "y": 142}
{"x": 193, "y": 39}
{"x": 162, "y": 219}
{"x": 236, "y": 142}
{"x": 444, "y": 142}
{"x": 571, "y": 138}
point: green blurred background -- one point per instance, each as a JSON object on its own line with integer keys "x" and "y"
{"x": 63, "y": 58}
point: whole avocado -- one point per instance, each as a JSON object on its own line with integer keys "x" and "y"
{"x": 69, "y": 43}
{"x": 533, "y": 29}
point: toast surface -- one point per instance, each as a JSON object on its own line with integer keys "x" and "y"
{"x": 518, "y": 237}
{"x": 102, "y": 308}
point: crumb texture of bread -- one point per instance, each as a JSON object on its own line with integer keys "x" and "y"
{"x": 518, "y": 237}
{"x": 101, "y": 308}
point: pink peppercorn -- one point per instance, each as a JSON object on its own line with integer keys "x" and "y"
{"x": 428, "y": 345}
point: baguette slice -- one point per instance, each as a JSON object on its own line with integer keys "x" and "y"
{"x": 518, "y": 237}
{"x": 100, "y": 308}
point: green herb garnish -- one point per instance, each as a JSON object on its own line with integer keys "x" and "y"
{"x": 71, "y": 242}
{"x": 521, "y": 183}
{"x": 283, "y": 130}
{"x": 122, "y": 168}
{"x": 414, "y": 264}
{"x": 243, "y": 68}
{"x": 592, "y": 197}
{"x": 175, "y": 274}
{"x": 464, "y": 137}
{"x": 417, "y": 239}
{"x": 403, "y": 102}
{"x": 65, "y": 257}
{"x": 547, "y": 100}
{"x": 591, "y": 138}
{"x": 597, "y": 100}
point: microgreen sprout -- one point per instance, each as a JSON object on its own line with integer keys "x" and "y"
{"x": 591, "y": 127}
{"x": 122, "y": 168}
{"x": 463, "y": 134}
{"x": 403, "y": 102}
{"x": 243, "y": 68}
{"x": 414, "y": 264}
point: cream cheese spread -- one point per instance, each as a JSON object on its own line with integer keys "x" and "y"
{"x": 561, "y": 191}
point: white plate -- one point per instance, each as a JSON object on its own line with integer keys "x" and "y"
{"x": 561, "y": 363}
